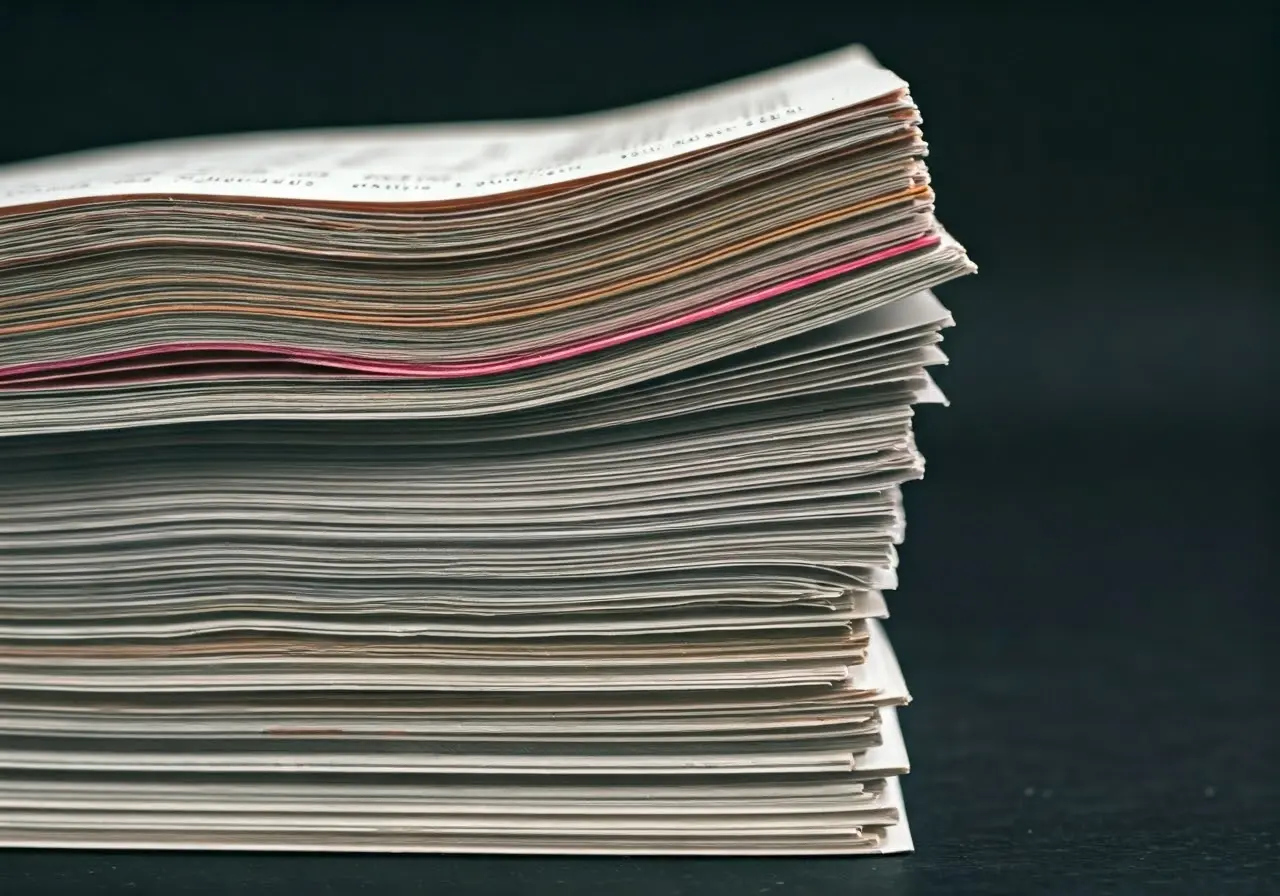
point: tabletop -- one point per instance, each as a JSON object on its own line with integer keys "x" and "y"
{"x": 1086, "y": 617}
{"x": 1089, "y": 646}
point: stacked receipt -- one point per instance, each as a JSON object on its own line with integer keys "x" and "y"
{"x": 521, "y": 487}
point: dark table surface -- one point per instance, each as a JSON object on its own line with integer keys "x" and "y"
{"x": 1088, "y": 611}
{"x": 1089, "y": 636}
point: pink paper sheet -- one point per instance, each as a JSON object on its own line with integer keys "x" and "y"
{"x": 108, "y": 363}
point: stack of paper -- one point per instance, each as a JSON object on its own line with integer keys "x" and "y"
{"x": 522, "y": 487}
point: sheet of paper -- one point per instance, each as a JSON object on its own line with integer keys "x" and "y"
{"x": 446, "y": 163}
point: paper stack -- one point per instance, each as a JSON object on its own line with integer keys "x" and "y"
{"x": 527, "y": 487}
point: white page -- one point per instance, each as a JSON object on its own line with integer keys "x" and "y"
{"x": 453, "y": 162}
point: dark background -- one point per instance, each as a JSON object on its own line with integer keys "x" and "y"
{"x": 1087, "y": 615}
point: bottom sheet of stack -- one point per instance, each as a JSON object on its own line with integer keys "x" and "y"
{"x": 639, "y": 622}
{"x": 756, "y": 771}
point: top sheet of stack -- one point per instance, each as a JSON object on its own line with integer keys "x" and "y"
{"x": 437, "y": 272}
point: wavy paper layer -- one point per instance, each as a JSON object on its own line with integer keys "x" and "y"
{"x": 26, "y": 373}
